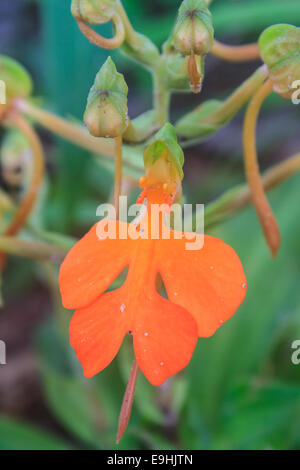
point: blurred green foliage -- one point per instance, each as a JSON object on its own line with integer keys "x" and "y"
{"x": 241, "y": 390}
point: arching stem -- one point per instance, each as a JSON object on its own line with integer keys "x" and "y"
{"x": 263, "y": 209}
{"x": 118, "y": 174}
{"x": 127, "y": 401}
{"x": 38, "y": 168}
{"x": 100, "y": 41}
{"x": 235, "y": 53}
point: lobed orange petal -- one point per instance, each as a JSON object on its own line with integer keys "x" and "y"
{"x": 165, "y": 336}
{"x": 91, "y": 266}
{"x": 97, "y": 331}
{"x": 209, "y": 283}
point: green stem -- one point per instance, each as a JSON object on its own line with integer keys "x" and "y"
{"x": 162, "y": 96}
{"x": 130, "y": 34}
{"x": 239, "y": 98}
{"x": 210, "y": 116}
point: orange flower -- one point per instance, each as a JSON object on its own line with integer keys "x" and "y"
{"x": 204, "y": 289}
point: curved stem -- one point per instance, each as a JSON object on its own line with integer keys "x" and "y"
{"x": 260, "y": 202}
{"x": 31, "y": 194}
{"x": 130, "y": 34}
{"x": 238, "y": 198}
{"x": 235, "y": 53}
{"x": 100, "y": 41}
{"x": 118, "y": 174}
{"x": 127, "y": 401}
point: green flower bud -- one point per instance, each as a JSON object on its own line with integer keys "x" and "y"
{"x": 17, "y": 81}
{"x": 279, "y": 47}
{"x": 166, "y": 147}
{"x": 193, "y": 31}
{"x": 93, "y": 11}
{"x": 106, "y": 114}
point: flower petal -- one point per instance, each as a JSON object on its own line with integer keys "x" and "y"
{"x": 165, "y": 336}
{"x": 97, "y": 331}
{"x": 209, "y": 283}
{"x": 92, "y": 265}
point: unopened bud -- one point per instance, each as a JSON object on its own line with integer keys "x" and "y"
{"x": 106, "y": 114}
{"x": 17, "y": 81}
{"x": 164, "y": 158}
{"x": 280, "y": 50}
{"x": 193, "y": 32}
{"x": 93, "y": 11}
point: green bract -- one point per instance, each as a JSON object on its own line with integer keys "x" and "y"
{"x": 106, "y": 114}
{"x": 193, "y": 31}
{"x": 165, "y": 144}
{"x": 280, "y": 50}
{"x": 17, "y": 81}
{"x": 93, "y": 11}
{"x": 196, "y": 124}
{"x": 143, "y": 50}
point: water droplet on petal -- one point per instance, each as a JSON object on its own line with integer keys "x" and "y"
{"x": 122, "y": 308}
{"x": 146, "y": 334}
{"x": 244, "y": 285}
{"x": 161, "y": 363}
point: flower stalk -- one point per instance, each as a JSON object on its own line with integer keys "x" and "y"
{"x": 38, "y": 168}
{"x": 235, "y": 53}
{"x": 100, "y": 41}
{"x": 263, "y": 209}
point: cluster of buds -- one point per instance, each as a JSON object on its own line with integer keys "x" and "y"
{"x": 106, "y": 114}
{"x": 93, "y": 11}
{"x": 280, "y": 50}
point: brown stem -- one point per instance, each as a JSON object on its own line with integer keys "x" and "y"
{"x": 100, "y": 41}
{"x": 235, "y": 53}
{"x": 127, "y": 401}
{"x": 38, "y": 168}
{"x": 263, "y": 209}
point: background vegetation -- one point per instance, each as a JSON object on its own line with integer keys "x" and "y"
{"x": 241, "y": 390}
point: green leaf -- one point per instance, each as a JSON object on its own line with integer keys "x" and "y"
{"x": 261, "y": 415}
{"x": 19, "y": 436}
{"x": 70, "y": 401}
